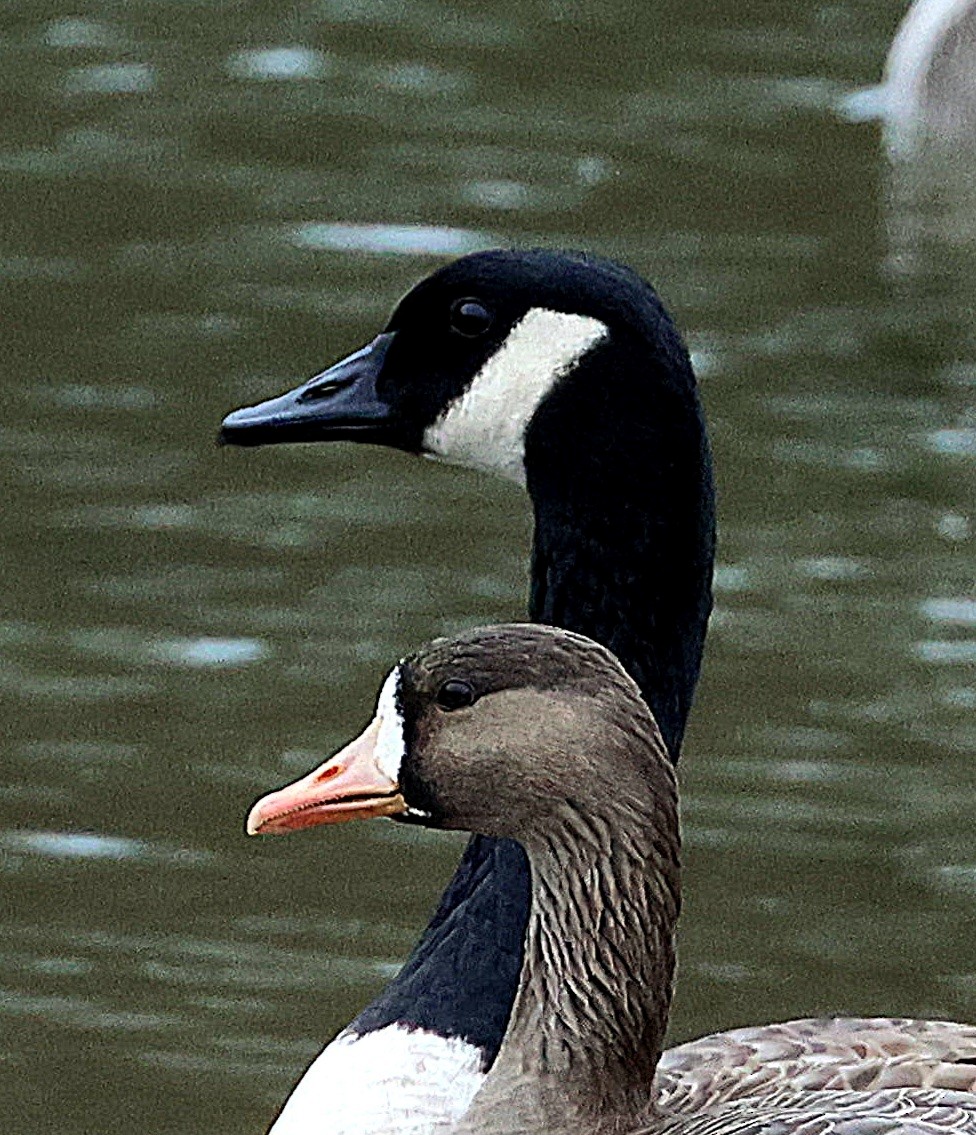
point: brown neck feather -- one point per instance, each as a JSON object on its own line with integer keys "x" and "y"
{"x": 589, "y": 1017}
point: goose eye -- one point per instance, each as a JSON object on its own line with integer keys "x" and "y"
{"x": 470, "y": 317}
{"x": 455, "y": 694}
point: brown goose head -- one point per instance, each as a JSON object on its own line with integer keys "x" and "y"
{"x": 491, "y": 731}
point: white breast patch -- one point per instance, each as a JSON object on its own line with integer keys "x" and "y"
{"x": 485, "y": 427}
{"x": 393, "y": 1080}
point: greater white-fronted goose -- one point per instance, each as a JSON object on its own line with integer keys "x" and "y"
{"x": 539, "y": 736}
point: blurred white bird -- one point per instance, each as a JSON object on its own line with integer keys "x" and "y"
{"x": 928, "y": 93}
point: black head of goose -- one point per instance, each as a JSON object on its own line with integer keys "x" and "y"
{"x": 564, "y": 371}
{"x": 536, "y": 735}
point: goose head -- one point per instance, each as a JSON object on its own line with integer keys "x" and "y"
{"x": 563, "y": 372}
{"x": 491, "y": 732}
{"x": 537, "y": 735}
{"x": 472, "y": 353}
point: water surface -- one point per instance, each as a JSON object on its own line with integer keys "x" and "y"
{"x": 202, "y": 204}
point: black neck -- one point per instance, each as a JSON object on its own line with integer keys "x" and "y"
{"x": 621, "y": 481}
{"x": 625, "y": 529}
{"x": 461, "y": 977}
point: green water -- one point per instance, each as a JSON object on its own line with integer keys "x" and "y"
{"x": 203, "y": 203}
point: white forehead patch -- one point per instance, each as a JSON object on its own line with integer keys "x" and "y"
{"x": 391, "y": 744}
{"x": 484, "y": 428}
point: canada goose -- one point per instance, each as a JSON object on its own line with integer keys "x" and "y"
{"x": 563, "y": 372}
{"x": 538, "y": 735}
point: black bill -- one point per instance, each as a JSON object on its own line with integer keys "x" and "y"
{"x": 341, "y": 402}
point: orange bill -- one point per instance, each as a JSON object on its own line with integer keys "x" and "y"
{"x": 349, "y": 786}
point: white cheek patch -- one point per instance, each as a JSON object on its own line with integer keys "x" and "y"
{"x": 485, "y": 427}
{"x": 391, "y": 744}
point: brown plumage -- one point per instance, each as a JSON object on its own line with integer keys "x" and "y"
{"x": 864, "y": 1074}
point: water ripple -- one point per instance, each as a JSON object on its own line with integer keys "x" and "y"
{"x": 96, "y": 846}
{"x": 72, "y": 845}
{"x": 940, "y": 651}
{"x": 278, "y": 64}
{"x": 199, "y": 652}
{"x": 953, "y": 442}
{"x": 111, "y": 79}
{"x": 398, "y": 240}
{"x": 80, "y": 1012}
{"x": 959, "y": 612}
{"x": 76, "y": 32}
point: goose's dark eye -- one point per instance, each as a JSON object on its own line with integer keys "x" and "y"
{"x": 455, "y": 694}
{"x": 470, "y": 318}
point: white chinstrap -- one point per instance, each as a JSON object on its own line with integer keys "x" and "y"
{"x": 485, "y": 427}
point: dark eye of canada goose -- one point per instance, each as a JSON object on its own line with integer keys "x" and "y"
{"x": 455, "y": 694}
{"x": 470, "y": 317}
